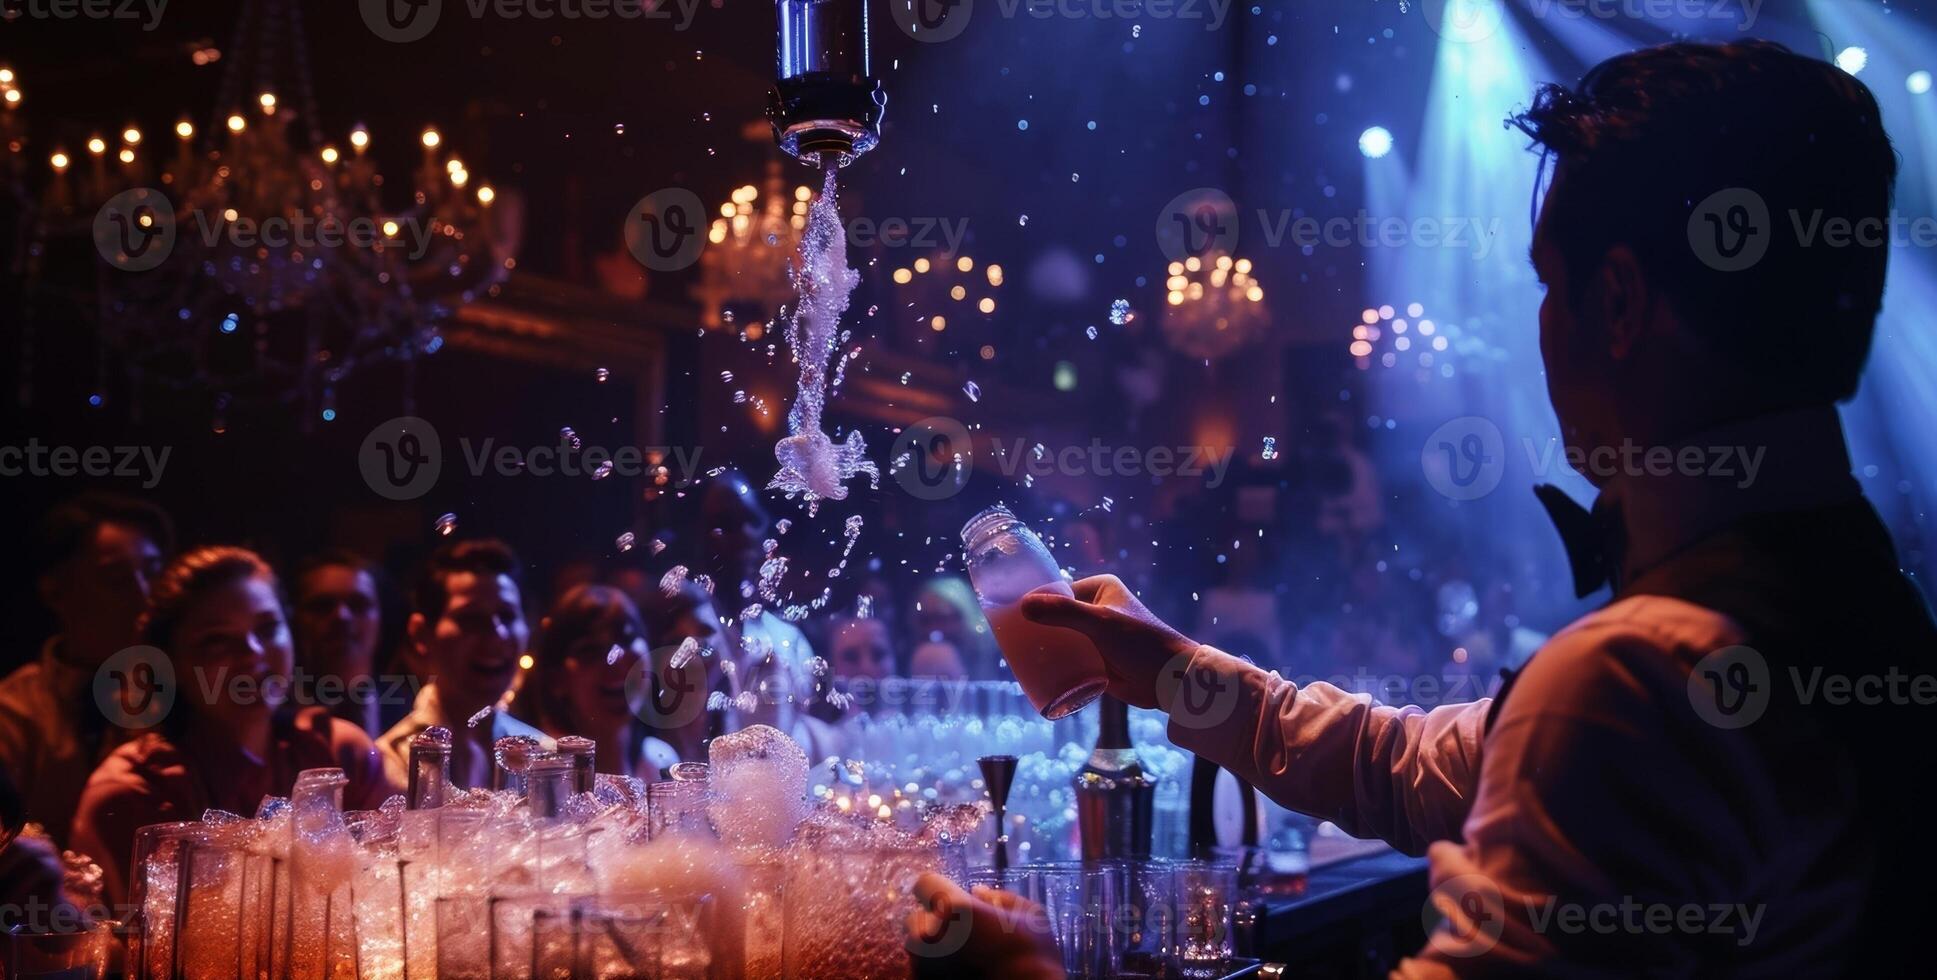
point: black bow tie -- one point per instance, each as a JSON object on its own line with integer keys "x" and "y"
{"x": 1595, "y": 540}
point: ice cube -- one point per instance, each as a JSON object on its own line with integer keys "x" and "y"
{"x": 758, "y": 786}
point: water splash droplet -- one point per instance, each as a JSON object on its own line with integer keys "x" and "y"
{"x": 673, "y": 580}
{"x": 688, "y": 649}
{"x": 973, "y": 391}
{"x": 625, "y": 541}
{"x": 446, "y": 524}
{"x": 812, "y": 464}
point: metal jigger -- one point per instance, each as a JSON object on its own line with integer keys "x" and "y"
{"x": 999, "y": 773}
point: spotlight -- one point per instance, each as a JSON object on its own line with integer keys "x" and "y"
{"x": 1918, "y": 83}
{"x": 1852, "y": 59}
{"x": 1375, "y": 142}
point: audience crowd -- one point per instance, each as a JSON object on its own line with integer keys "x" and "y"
{"x": 177, "y": 681}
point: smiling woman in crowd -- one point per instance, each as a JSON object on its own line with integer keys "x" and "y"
{"x": 589, "y": 666}
{"x": 228, "y": 740}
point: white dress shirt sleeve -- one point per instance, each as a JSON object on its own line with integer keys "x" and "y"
{"x": 1404, "y": 775}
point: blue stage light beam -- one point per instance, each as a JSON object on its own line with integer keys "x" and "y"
{"x": 1888, "y": 420}
{"x": 1465, "y": 211}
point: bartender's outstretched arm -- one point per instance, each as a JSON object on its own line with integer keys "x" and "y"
{"x": 1397, "y": 773}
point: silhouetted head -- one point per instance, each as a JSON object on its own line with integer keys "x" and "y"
{"x": 1685, "y": 285}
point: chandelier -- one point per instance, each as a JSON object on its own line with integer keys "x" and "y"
{"x": 288, "y": 268}
{"x": 944, "y": 289}
{"x": 1408, "y": 339}
{"x": 743, "y": 271}
{"x": 1212, "y": 305}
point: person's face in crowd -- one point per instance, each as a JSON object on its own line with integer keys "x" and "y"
{"x": 860, "y": 648}
{"x": 595, "y": 679}
{"x": 100, "y": 591}
{"x": 700, "y": 621}
{"x": 937, "y": 659}
{"x": 236, "y": 642}
{"x": 938, "y": 619}
{"x": 338, "y": 620}
{"x": 471, "y": 651}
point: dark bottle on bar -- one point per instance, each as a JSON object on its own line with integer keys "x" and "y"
{"x": 1115, "y": 794}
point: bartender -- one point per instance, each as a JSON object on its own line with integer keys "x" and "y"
{"x": 1673, "y": 784}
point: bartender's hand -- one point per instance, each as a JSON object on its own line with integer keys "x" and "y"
{"x": 1137, "y": 647}
{"x": 988, "y": 933}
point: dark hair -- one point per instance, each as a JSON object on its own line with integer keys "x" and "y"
{"x": 661, "y": 611}
{"x": 336, "y": 558}
{"x": 483, "y": 556}
{"x": 1647, "y": 139}
{"x": 582, "y": 609}
{"x": 66, "y": 529}
{"x": 190, "y": 578}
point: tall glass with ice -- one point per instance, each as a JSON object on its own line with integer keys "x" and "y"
{"x": 1059, "y": 668}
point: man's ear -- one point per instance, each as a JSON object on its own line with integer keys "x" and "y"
{"x": 1625, "y": 298}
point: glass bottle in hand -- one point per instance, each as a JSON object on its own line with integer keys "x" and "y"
{"x": 1059, "y": 668}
